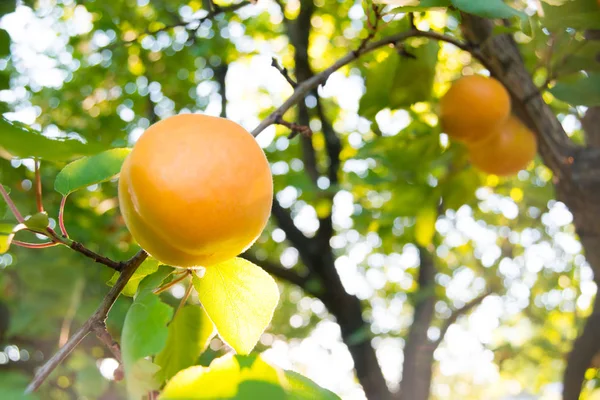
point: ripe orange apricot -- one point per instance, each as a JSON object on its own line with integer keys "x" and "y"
{"x": 472, "y": 106}
{"x": 507, "y": 151}
{"x": 195, "y": 190}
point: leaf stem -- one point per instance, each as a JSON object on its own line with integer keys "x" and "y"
{"x": 11, "y": 205}
{"x": 34, "y": 245}
{"x": 38, "y": 186}
{"x": 61, "y": 217}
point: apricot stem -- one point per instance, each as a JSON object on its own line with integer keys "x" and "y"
{"x": 184, "y": 299}
{"x": 169, "y": 285}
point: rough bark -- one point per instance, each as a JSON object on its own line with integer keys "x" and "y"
{"x": 576, "y": 169}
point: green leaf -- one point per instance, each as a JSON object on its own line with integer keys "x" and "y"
{"x": 242, "y": 377}
{"x": 189, "y": 335}
{"x": 579, "y": 14}
{"x": 38, "y": 221}
{"x": 412, "y": 79}
{"x": 90, "y": 170}
{"x": 377, "y": 81}
{"x": 240, "y": 298}
{"x": 18, "y": 140}
{"x": 148, "y": 267}
{"x": 4, "y": 43}
{"x": 424, "y": 5}
{"x": 582, "y": 92}
{"x": 144, "y": 334}
{"x": 487, "y": 8}
{"x": 7, "y": 232}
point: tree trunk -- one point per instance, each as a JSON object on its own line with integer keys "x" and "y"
{"x": 417, "y": 367}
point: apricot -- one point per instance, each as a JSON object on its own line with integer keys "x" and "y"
{"x": 195, "y": 190}
{"x": 472, "y": 106}
{"x": 508, "y": 150}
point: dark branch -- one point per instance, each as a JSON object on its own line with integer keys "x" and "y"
{"x": 99, "y": 316}
{"x": 591, "y": 126}
{"x": 283, "y": 71}
{"x": 286, "y": 223}
{"x": 78, "y": 247}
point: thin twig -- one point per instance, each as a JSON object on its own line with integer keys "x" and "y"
{"x": 99, "y": 316}
{"x": 218, "y": 10}
{"x": 306, "y": 86}
{"x": 65, "y": 329}
{"x": 38, "y": 186}
{"x": 294, "y": 127}
{"x": 184, "y": 299}
{"x": 284, "y": 72}
{"x": 11, "y": 204}
{"x": 61, "y": 217}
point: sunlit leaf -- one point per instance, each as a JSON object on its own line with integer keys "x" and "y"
{"x": 239, "y": 297}
{"x": 18, "y": 140}
{"x": 242, "y": 377}
{"x": 189, "y": 335}
{"x": 90, "y": 170}
{"x": 582, "y": 92}
{"x": 487, "y": 8}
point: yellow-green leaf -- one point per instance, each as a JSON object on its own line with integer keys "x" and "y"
{"x": 425, "y": 226}
{"x": 239, "y": 297}
{"x": 242, "y": 377}
{"x": 189, "y": 335}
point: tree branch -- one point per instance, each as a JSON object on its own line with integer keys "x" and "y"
{"x": 80, "y": 248}
{"x": 456, "y": 314}
{"x": 284, "y": 72}
{"x": 101, "y": 332}
{"x": 99, "y": 316}
{"x": 306, "y": 86}
{"x": 591, "y": 126}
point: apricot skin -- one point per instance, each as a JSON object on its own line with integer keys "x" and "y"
{"x": 472, "y": 107}
{"x": 510, "y": 149}
{"x": 196, "y": 190}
